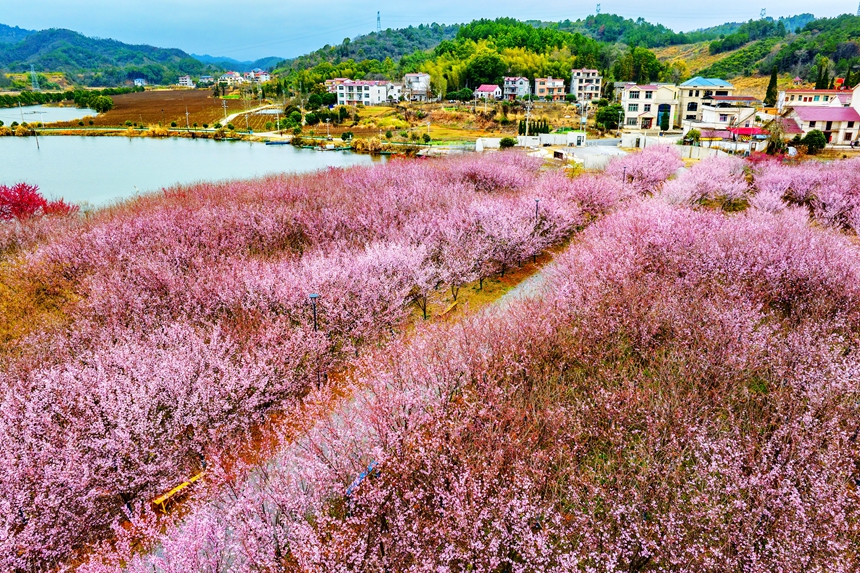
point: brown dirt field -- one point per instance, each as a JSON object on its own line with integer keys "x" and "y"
{"x": 146, "y": 108}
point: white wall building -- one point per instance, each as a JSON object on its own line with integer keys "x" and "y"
{"x": 694, "y": 91}
{"x": 489, "y": 91}
{"x": 724, "y": 112}
{"x": 516, "y": 87}
{"x": 586, "y": 84}
{"x": 416, "y": 87}
{"x": 186, "y": 82}
{"x": 366, "y": 92}
{"x": 812, "y": 97}
{"x": 645, "y": 106}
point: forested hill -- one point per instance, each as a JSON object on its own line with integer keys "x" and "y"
{"x": 825, "y": 44}
{"x": 390, "y": 43}
{"x": 13, "y": 34}
{"x": 236, "y": 65}
{"x": 92, "y": 61}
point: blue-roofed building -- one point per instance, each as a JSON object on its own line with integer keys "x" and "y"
{"x": 694, "y": 91}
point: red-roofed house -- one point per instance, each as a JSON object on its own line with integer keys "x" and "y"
{"x": 806, "y": 97}
{"x": 840, "y": 125}
{"x": 489, "y": 91}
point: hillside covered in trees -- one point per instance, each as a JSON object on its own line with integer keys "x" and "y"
{"x": 92, "y": 61}
{"x": 825, "y": 43}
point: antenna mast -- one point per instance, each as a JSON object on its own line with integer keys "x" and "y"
{"x": 378, "y": 23}
{"x": 34, "y": 79}
{"x": 763, "y": 13}
{"x": 598, "y": 8}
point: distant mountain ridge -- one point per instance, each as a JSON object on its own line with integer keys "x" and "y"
{"x": 236, "y": 65}
{"x": 95, "y": 61}
{"x": 13, "y": 34}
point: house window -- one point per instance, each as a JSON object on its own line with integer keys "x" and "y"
{"x": 649, "y": 95}
{"x": 631, "y": 121}
{"x": 850, "y": 124}
{"x": 690, "y": 117}
{"x": 634, "y": 95}
{"x": 692, "y": 106}
{"x": 691, "y": 93}
{"x": 633, "y": 107}
{"x": 848, "y": 135}
{"x": 724, "y": 118}
{"x": 697, "y": 93}
{"x": 646, "y": 107}
{"x": 815, "y": 98}
{"x": 811, "y": 124}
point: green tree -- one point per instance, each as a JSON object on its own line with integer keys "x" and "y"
{"x": 570, "y": 98}
{"x": 664, "y": 122}
{"x": 814, "y": 141}
{"x": 771, "y": 93}
{"x": 315, "y": 101}
{"x": 485, "y": 69}
{"x": 610, "y": 116}
{"x": 426, "y": 138}
{"x": 507, "y": 142}
{"x": 102, "y": 104}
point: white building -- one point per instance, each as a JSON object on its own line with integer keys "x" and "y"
{"x": 586, "y": 84}
{"x": 840, "y": 125}
{"x": 694, "y": 91}
{"x": 331, "y": 85}
{"x": 489, "y": 91}
{"x": 186, "y": 82}
{"x": 139, "y": 82}
{"x": 724, "y": 113}
{"x": 516, "y": 87}
{"x": 232, "y": 79}
{"x": 645, "y": 106}
{"x": 367, "y": 92}
{"x": 206, "y": 80}
{"x": 416, "y": 87}
{"x": 812, "y": 97}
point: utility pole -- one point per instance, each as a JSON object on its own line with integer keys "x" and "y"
{"x": 34, "y": 78}
{"x": 224, "y": 104}
{"x": 528, "y": 115}
{"x": 187, "y": 123}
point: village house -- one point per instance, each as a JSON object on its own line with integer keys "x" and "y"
{"x": 231, "y": 79}
{"x": 206, "y": 80}
{"x": 331, "y": 85}
{"x": 367, "y": 92}
{"x": 516, "y": 87}
{"x": 812, "y": 97}
{"x": 840, "y": 125}
{"x": 550, "y": 88}
{"x": 186, "y": 82}
{"x": 586, "y": 84}
{"x": 724, "y": 113}
{"x": 645, "y": 106}
{"x": 693, "y": 92}
{"x": 416, "y": 87}
{"x": 489, "y": 91}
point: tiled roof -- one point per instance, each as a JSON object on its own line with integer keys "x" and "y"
{"x": 490, "y": 88}
{"x": 699, "y": 81}
{"x": 748, "y": 131}
{"x": 790, "y": 126}
{"x": 824, "y": 113}
{"x": 815, "y": 91}
{"x": 646, "y": 87}
{"x": 732, "y": 98}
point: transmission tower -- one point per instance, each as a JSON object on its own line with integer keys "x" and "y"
{"x": 35, "y": 79}
{"x": 378, "y": 23}
{"x": 858, "y": 10}
{"x": 763, "y": 13}
{"x": 598, "y": 8}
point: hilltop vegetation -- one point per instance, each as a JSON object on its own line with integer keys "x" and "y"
{"x": 13, "y": 34}
{"x": 94, "y": 61}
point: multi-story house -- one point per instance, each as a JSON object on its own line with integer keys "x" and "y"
{"x": 416, "y": 87}
{"x": 516, "y": 87}
{"x": 812, "y": 97}
{"x": 331, "y": 85}
{"x": 489, "y": 91}
{"x": 839, "y": 124}
{"x": 550, "y": 88}
{"x": 186, "y": 82}
{"x": 646, "y": 106}
{"x": 366, "y": 92}
{"x": 694, "y": 91}
{"x": 206, "y": 80}
{"x": 586, "y": 84}
{"x": 723, "y": 113}
{"x": 231, "y": 79}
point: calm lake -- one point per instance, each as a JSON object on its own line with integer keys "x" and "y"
{"x": 101, "y": 170}
{"x": 43, "y": 113}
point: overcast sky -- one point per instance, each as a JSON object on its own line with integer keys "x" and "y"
{"x": 251, "y": 29}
